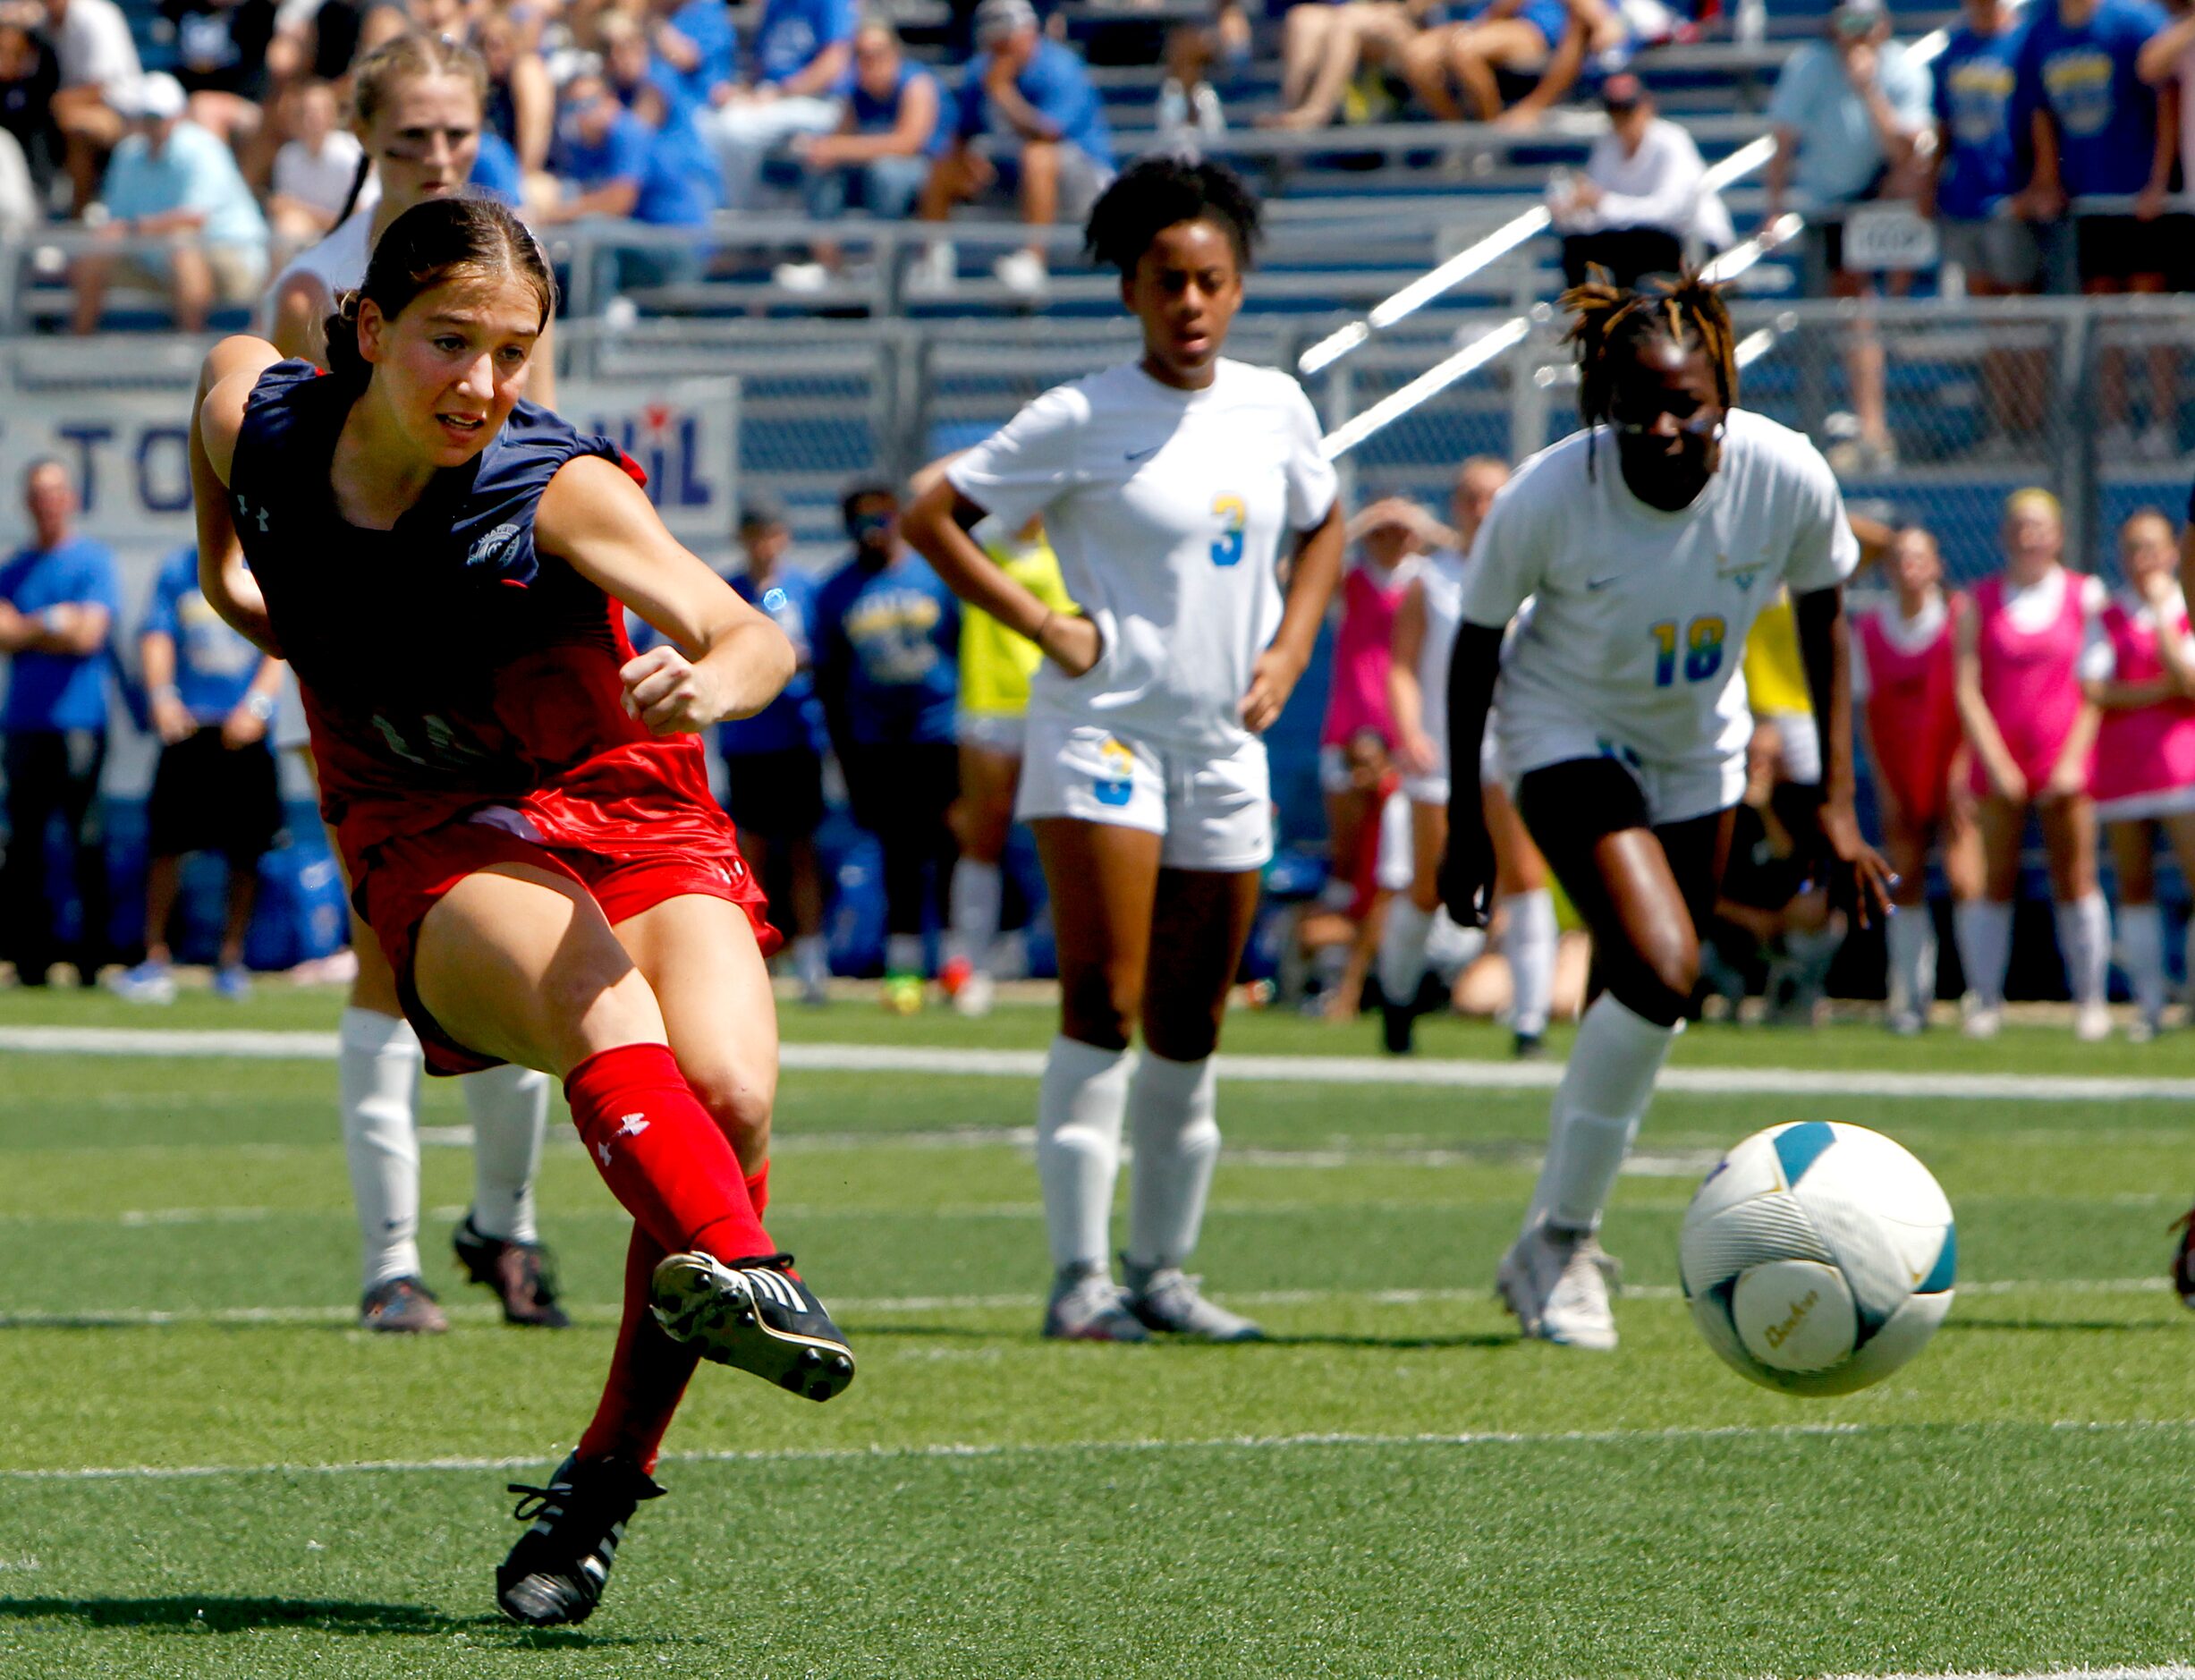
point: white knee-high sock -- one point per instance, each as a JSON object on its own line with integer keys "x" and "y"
{"x": 2141, "y": 954}
{"x": 1401, "y": 949}
{"x": 510, "y": 1112}
{"x": 1529, "y": 944}
{"x": 1911, "y": 936}
{"x": 2084, "y": 942}
{"x": 1606, "y": 1088}
{"x": 1983, "y": 929}
{"x": 978, "y": 889}
{"x": 1172, "y": 1119}
{"x": 1079, "y": 1108}
{"x": 378, "y": 1076}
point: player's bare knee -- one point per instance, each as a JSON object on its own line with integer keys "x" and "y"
{"x": 1100, "y": 1009}
{"x": 739, "y": 1098}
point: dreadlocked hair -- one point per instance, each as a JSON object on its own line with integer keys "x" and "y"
{"x": 1688, "y": 311}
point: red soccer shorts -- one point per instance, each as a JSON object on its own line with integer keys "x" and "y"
{"x": 407, "y": 875}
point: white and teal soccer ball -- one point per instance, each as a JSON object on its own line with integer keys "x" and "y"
{"x": 1817, "y": 1258}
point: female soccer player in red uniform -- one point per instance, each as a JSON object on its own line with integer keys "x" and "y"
{"x": 520, "y": 802}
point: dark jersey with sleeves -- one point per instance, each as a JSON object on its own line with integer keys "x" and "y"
{"x": 446, "y": 665}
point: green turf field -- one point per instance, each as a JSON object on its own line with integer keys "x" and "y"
{"x": 206, "y": 1471}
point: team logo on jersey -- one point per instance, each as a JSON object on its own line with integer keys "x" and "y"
{"x": 494, "y": 548}
{"x": 1742, "y": 574}
{"x": 1115, "y": 787}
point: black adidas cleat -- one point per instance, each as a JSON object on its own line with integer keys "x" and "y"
{"x": 755, "y": 1314}
{"x": 554, "y": 1575}
{"x": 522, "y": 1274}
{"x": 1398, "y": 1029}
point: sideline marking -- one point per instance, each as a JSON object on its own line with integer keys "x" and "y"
{"x": 1305, "y": 1069}
{"x": 1221, "y": 1444}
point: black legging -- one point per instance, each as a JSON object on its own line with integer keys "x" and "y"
{"x": 53, "y": 773}
{"x": 901, "y": 793}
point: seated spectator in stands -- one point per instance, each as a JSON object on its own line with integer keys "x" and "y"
{"x": 1546, "y": 39}
{"x": 171, "y": 180}
{"x": 21, "y": 205}
{"x": 316, "y": 168}
{"x": 59, "y": 597}
{"x": 1641, "y": 196}
{"x": 695, "y": 42}
{"x": 221, "y": 60}
{"x": 2099, "y": 130}
{"x": 1968, "y": 184}
{"x": 634, "y": 74}
{"x": 880, "y": 155}
{"x": 1031, "y": 101}
{"x": 95, "y": 59}
{"x": 613, "y": 163}
{"x": 1848, "y": 111}
{"x": 1325, "y": 42}
{"x": 27, "y": 77}
{"x": 522, "y": 100}
{"x": 216, "y": 788}
{"x": 803, "y": 66}
{"x": 1189, "y": 105}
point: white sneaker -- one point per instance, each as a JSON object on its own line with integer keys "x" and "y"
{"x": 2092, "y": 1023}
{"x": 977, "y": 992}
{"x": 1088, "y": 1306}
{"x": 1167, "y": 1298}
{"x": 1984, "y": 1020}
{"x": 147, "y": 983}
{"x": 1557, "y": 1284}
{"x": 1023, "y": 273}
{"x": 936, "y": 272}
{"x": 801, "y": 277}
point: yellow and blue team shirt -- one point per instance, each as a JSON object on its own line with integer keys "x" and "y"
{"x": 1774, "y": 673}
{"x": 887, "y": 652}
{"x": 996, "y": 663}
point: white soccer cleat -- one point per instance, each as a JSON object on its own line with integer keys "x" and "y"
{"x": 1166, "y": 1299}
{"x": 976, "y": 995}
{"x": 1557, "y": 1284}
{"x": 1984, "y": 1020}
{"x": 1088, "y": 1306}
{"x": 2092, "y": 1023}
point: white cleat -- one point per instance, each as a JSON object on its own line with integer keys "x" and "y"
{"x": 1088, "y": 1306}
{"x": 2092, "y": 1023}
{"x": 1557, "y": 1284}
{"x": 976, "y": 995}
{"x": 1984, "y": 1020}
{"x": 1166, "y": 1299}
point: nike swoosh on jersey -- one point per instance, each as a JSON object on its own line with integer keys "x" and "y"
{"x": 1144, "y": 454}
{"x": 1599, "y": 583}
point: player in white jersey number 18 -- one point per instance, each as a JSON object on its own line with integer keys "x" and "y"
{"x": 1647, "y": 544}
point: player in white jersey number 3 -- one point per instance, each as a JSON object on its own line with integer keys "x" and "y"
{"x": 1647, "y": 544}
{"x": 1170, "y": 487}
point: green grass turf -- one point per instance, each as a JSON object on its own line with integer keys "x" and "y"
{"x": 984, "y": 1504}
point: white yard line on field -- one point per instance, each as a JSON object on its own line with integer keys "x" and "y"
{"x": 1045, "y": 1449}
{"x": 605, "y": 1312}
{"x": 1308, "y": 1070}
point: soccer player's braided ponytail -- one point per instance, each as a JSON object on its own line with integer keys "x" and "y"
{"x": 1687, "y": 311}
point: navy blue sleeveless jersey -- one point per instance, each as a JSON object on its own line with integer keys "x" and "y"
{"x": 446, "y": 664}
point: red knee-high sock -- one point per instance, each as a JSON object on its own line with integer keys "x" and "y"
{"x": 661, "y": 1154}
{"x": 648, "y": 1372}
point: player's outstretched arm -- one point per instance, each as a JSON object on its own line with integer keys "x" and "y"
{"x": 723, "y": 658}
{"x": 233, "y": 366}
{"x": 1825, "y": 647}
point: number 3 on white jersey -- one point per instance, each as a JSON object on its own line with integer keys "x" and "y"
{"x": 1702, "y": 644}
{"x": 1233, "y": 515}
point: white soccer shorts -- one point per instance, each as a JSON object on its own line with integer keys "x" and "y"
{"x": 1215, "y": 809}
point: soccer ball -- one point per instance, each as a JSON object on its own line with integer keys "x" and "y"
{"x": 1817, "y": 1258}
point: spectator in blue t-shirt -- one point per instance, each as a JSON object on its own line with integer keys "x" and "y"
{"x": 1969, "y": 180}
{"x": 215, "y": 788}
{"x": 2100, "y": 132}
{"x": 1033, "y": 103}
{"x": 172, "y": 179}
{"x": 1849, "y": 112}
{"x": 774, "y": 760}
{"x": 887, "y": 670}
{"x": 879, "y": 156}
{"x": 59, "y": 598}
{"x": 803, "y": 67}
{"x": 619, "y": 164}
{"x": 695, "y": 42}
